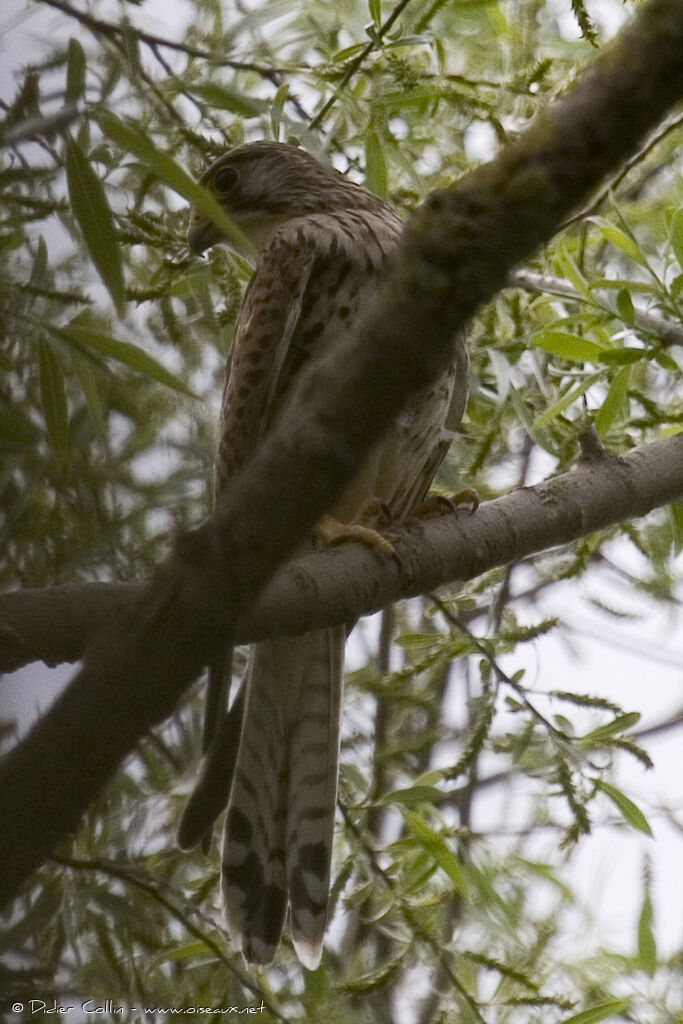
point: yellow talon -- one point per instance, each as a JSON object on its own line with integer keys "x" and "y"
{"x": 332, "y": 531}
{"x": 435, "y": 505}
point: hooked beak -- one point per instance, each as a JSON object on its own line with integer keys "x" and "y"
{"x": 202, "y": 233}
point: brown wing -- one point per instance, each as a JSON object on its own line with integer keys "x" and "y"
{"x": 307, "y": 289}
{"x": 267, "y": 322}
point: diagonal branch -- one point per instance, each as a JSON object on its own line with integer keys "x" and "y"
{"x": 455, "y": 254}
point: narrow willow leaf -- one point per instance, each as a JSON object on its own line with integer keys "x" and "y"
{"x": 625, "y": 306}
{"x": 277, "y": 109}
{"x": 190, "y": 951}
{"x": 622, "y": 356}
{"x": 598, "y": 1013}
{"x": 664, "y": 360}
{"x": 40, "y": 264}
{"x": 676, "y": 516}
{"x": 570, "y": 396}
{"x": 617, "y": 237}
{"x": 370, "y": 980}
{"x": 348, "y": 52}
{"x": 94, "y": 218}
{"x": 412, "y": 796}
{"x": 436, "y": 845}
{"x": 416, "y": 640}
{"x": 53, "y": 399}
{"x": 75, "y": 71}
{"x": 620, "y": 724}
{"x": 408, "y": 41}
{"x": 676, "y": 235}
{"x": 92, "y": 395}
{"x": 615, "y": 401}
{"x": 375, "y": 9}
{"x": 224, "y": 98}
{"x": 375, "y": 165}
{"x": 568, "y": 346}
{"x": 570, "y": 269}
{"x": 629, "y": 811}
{"x": 647, "y": 945}
{"x": 420, "y": 96}
{"x": 133, "y": 141}
{"x": 123, "y": 352}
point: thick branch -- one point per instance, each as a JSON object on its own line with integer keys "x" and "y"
{"x": 455, "y": 255}
{"x": 57, "y": 624}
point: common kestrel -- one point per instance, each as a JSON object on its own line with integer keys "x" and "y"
{"x": 323, "y": 242}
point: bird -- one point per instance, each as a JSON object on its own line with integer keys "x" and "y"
{"x": 323, "y": 244}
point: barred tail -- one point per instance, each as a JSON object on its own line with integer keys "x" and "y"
{"x": 279, "y": 826}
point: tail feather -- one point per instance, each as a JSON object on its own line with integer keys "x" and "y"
{"x": 279, "y": 826}
{"x": 253, "y": 874}
{"x": 312, "y": 797}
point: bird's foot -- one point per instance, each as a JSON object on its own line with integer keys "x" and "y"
{"x": 436, "y": 505}
{"x": 364, "y": 528}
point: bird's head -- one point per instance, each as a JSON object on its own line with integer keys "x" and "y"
{"x": 263, "y": 184}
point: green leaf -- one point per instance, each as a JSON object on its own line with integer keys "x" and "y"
{"x": 647, "y": 945}
{"x": 625, "y": 306}
{"x": 570, "y": 396}
{"x": 277, "y": 109}
{"x": 75, "y": 71}
{"x": 123, "y": 352}
{"x": 40, "y": 264}
{"x": 619, "y": 724}
{"x": 416, "y": 640}
{"x": 92, "y": 395}
{"x": 570, "y": 269}
{"x": 622, "y": 356}
{"x": 628, "y": 810}
{"x": 53, "y": 398}
{"x": 224, "y": 98}
{"x": 368, "y": 980}
{"x": 94, "y": 218}
{"x": 676, "y": 516}
{"x": 348, "y": 52}
{"x": 598, "y": 1013}
{"x": 617, "y": 237}
{"x": 676, "y": 235}
{"x": 375, "y": 165}
{"x": 436, "y": 845}
{"x": 408, "y": 41}
{"x": 134, "y": 141}
{"x": 190, "y": 951}
{"x": 664, "y": 360}
{"x": 412, "y": 796}
{"x": 375, "y": 8}
{"x": 614, "y": 404}
{"x": 568, "y": 346}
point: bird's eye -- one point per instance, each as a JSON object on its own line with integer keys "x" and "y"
{"x": 225, "y": 179}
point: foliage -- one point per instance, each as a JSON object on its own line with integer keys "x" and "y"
{"x": 114, "y": 343}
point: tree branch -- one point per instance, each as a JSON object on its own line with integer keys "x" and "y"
{"x": 668, "y": 331}
{"x": 455, "y": 254}
{"x": 57, "y": 624}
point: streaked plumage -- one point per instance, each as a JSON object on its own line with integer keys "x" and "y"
{"x": 324, "y": 242}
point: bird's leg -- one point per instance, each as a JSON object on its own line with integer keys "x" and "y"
{"x": 363, "y": 528}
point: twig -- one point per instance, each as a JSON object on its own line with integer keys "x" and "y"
{"x": 667, "y": 331}
{"x": 357, "y": 62}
